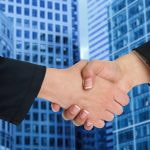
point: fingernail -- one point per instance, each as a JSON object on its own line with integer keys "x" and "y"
{"x": 88, "y": 83}
{"x": 84, "y": 114}
{"x": 89, "y": 124}
{"x": 64, "y": 117}
{"x": 75, "y": 109}
{"x": 75, "y": 123}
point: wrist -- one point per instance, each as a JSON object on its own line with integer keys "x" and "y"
{"x": 134, "y": 70}
{"x": 50, "y": 84}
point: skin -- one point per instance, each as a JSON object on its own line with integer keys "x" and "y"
{"x": 64, "y": 87}
{"x": 120, "y": 72}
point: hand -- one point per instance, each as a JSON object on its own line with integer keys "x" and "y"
{"x": 126, "y": 72}
{"x": 94, "y": 101}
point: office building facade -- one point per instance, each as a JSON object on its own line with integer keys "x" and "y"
{"x": 6, "y": 50}
{"x": 129, "y": 27}
{"x": 44, "y": 32}
{"x": 98, "y": 29}
{"x": 98, "y": 36}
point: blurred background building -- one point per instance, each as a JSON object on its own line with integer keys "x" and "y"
{"x": 129, "y": 27}
{"x": 6, "y": 50}
{"x": 46, "y": 32}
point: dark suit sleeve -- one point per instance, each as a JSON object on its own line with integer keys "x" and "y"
{"x": 20, "y": 83}
{"x": 144, "y": 52}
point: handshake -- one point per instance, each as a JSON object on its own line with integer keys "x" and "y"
{"x": 93, "y": 92}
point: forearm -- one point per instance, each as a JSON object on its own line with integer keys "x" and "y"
{"x": 135, "y": 71}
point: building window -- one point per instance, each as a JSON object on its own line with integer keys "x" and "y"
{"x": 50, "y": 49}
{"x": 19, "y": 1}
{"x": 19, "y": 45}
{"x": 26, "y": 34}
{"x": 27, "y": 57}
{"x": 66, "y": 62}
{"x": 26, "y": 23}
{"x": 50, "y": 15}
{"x": 18, "y": 22}
{"x": 18, "y": 33}
{"x": 35, "y": 141}
{"x": 52, "y": 142}
{"x": 2, "y": 7}
{"x": 44, "y": 129}
{"x": 44, "y": 141}
{"x": 34, "y": 25}
{"x": 64, "y": 7}
{"x": 65, "y": 19}
{"x": 65, "y": 51}
{"x": 26, "y": 2}
{"x": 50, "y": 38}
{"x": 51, "y": 129}
{"x": 58, "y": 50}
{"x": 57, "y": 28}
{"x": 43, "y": 115}
{"x": 57, "y": 6}
{"x": 50, "y": 27}
{"x": 43, "y": 105}
{"x": 50, "y": 5}
{"x": 65, "y": 29}
{"x": 10, "y": 9}
{"x": 57, "y": 39}
{"x": 26, "y": 12}
{"x": 65, "y": 40}
{"x": 50, "y": 60}
{"x": 57, "y": 17}
{"x": 42, "y": 47}
{"x": 18, "y": 140}
{"x": 34, "y": 2}
{"x": 35, "y": 116}
{"x": 34, "y": 13}
{"x": 34, "y": 35}
{"x": 42, "y": 14}
{"x": 60, "y": 142}
{"x": 27, "y": 140}
{"x": 42, "y": 37}
{"x": 42, "y": 3}
{"x": 18, "y": 10}
{"x": 35, "y": 47}
{"x": 42, "y": 25}
{"x": 26, "y": 45}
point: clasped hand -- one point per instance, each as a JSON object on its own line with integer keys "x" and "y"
{"x": 92, "y": 106}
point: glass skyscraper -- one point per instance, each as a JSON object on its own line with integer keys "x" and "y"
{"x": 98, "y": 35}
{"x": 98, "y": 29}
{"x": 45, "y": 33}
{"x": 129, "y": 27}
{"x": 6, "y": 50}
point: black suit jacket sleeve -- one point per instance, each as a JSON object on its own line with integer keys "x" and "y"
{"x": 20, "y": 83}
{"x": 144, "y": 52}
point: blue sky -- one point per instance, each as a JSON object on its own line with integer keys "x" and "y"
{"x": 83, "y": 26}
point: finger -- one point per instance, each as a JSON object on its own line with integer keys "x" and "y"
{"x": 115, "y": 108}
{"x": 108, "y": 116}
{"x": 81, "y": 118}
{"x": 121, "y": 98}
{"x": 55, "y": 107}
{"x": 89, "y": 73}
{"x": 71, "y": 112}
{"x": 99, "y": 124}
{"x": 88, "y": 125}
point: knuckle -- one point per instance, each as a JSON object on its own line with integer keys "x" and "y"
{"x": 110, "y": 117}
{"x": 102, "y": 124}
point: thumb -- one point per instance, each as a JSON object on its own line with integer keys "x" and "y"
{"x": 89, "y": 73}
{"x": 55, "y": 107}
